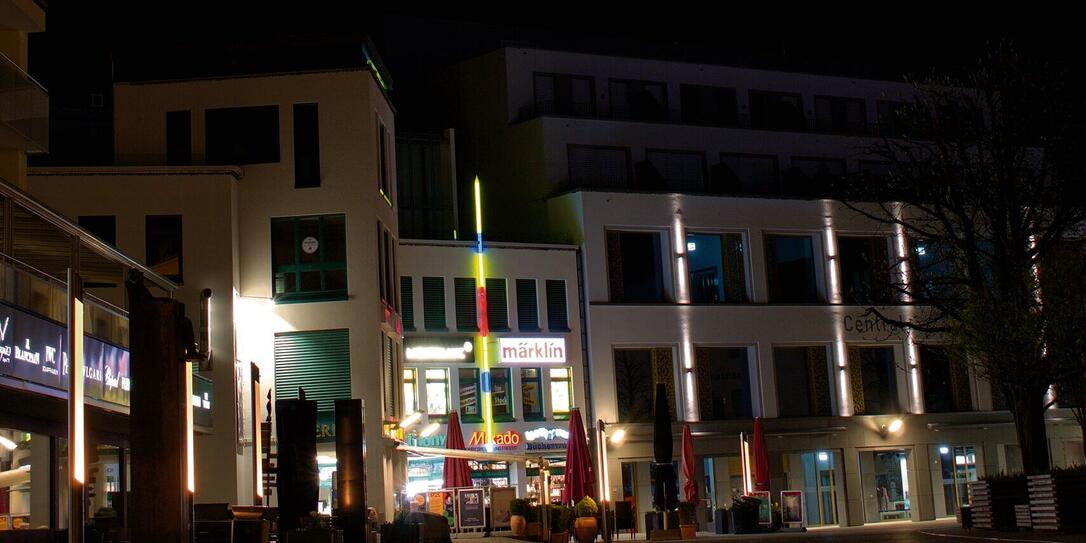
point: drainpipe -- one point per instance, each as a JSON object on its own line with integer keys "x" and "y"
{"x": 582, "y": 305}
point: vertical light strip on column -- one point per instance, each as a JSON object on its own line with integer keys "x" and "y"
{"x": 190, "y": 453}
{"x": 77, "y": 449}
{"x": 484, "y": 325}
{"x": 912, "y": 354}
{"x": 840, "y": 348}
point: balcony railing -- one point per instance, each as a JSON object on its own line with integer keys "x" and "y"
{"x": 24, "y": 109}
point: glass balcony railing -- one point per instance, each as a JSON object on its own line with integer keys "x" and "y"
{"x": 24, "y": 109}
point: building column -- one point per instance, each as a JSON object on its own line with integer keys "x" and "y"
{"x": 854, "y": 507}
{"x": 921, "y": 498}
{"x": 41, "y": 479}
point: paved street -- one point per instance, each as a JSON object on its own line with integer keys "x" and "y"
{"x": 902, "y": 532}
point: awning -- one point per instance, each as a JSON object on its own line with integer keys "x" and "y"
{"x": 471, "y": 455}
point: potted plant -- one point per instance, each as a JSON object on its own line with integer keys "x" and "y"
{"x": 994, "y": 497}
{"x": 560, "y": 521}
{"x": 532, "y": 526}
{"x": 688, "y": 525}
{"x": 744, "y": 515}
{"x": 400, "y": 529}
{"x": 518, "y": 507}
{"x": 1056, "y": 500}
{"x": 585, "y": 527}
{"x": 315, "y": 528}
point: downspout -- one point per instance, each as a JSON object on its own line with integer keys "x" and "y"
{"x": 590, "y": 411}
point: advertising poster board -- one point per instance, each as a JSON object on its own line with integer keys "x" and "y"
{"x": 765, "y": 509}
{"x": 471, "y": 507}
{"x": 500, "y": 498}
{"x": 792, "y": 508}
{"x": 440, "y": 502}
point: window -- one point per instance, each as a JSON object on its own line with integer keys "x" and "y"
{"x": 433, "y": 304}
{"x": 714, "y": 106}
{"x": 803, "y": 383}
{"x": 561, "y": 94}
{"x": 104, "y": 227}
{"x": 891, "y": 124}
{"x": 637, "y": 371}
{"x": 242, "y": 135}
{"x": 467, "y": 319}
{"x": 865, "y": 270}
{"x": 388, "y": 376}
{"x": 437, "y": 393}
{"x": 557, "y": 314}
{"x": 497, "y": 308}
{"x": 501, "y": 395}
{"x": 471, "y": 405}
{"x": 812, "y": 176}
{"x": 840, "y": 115}
{"x": 410, "y": 388}
{"x": 638, "y": 100}
{"x": 931, "y": 270}
{"x": 680, "y": 170}
{"x": 164, "y": 246}
{"x": 309, "y": 258}
{"x": 776, "y": 110}
{"x": 946, "y": 381}
{"x": 873, "y": 376}
{"x": 747, "y": 174}
{"x": 527, "y": 306}
{"x": 407, "y": 303}
{"x": 599, "y": 167}
{"x": 724, "y": 382}
{"x": 716, "y": 268}
{"x": 383, "y": 159}
{"x": 386, "y": 262}
{"x": 307, "y": 156}
{"x": 635, "y": 266}
{"x": 561, "y": 392}
{"x": 790, "y": 267}
{"x": 531, "y": 393}
{"x": 179, "y": 138}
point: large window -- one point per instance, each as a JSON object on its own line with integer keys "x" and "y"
{"x": 471, "y": 405}
{"x": 410, "y": 391}
{"x": 717, "y": 268}
{"x": 638, "y": 100}
{"x": 437, "y": 393}
{"x": 776, "y": 110}
{"x": 865, "y": 270}
{"x": 790, "y": 266}
{"x": 873, "y": 376}
{"x": 242, "y": 135}
{"x": 679, "y": 170}
{"x": 714, "y": 106}
{"x": 501, "y": 394}
{"x": 931, "y": 268}
{"x": 840, "y": 115}
{"x": 307, "y": 156}
{"x": 562, "y": 94}
{"x": 747, "y": 174}
{"x": 557, "y": 312}
{"x": 309, "y": 258}
{"x": 946, "y": 381}
{"x": 812, "y": 176}
{"x": 635, "y": 266}
{"x": 891, "y": 124}
{"x": 803, "y": 386}
{"x": 724, "y": 382}
{"x": 179, "y": 138}
{"x": 637, "y": 371}
{"x": 164, "y": 246}
{"x": 599, "y": 167}
{"x": 531, "y": 393}
{"x": 561, "y": 392}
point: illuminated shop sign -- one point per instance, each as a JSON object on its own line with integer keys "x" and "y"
{"x": 439, "y": 349}
{"x": 505, "y": 440}
{"x": 546, "y": 439}
{"x": 34, "y": 349}
{"x": 533, "y": 350}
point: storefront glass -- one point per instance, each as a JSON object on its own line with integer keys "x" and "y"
{"x": 958, "y": 466}
{"x": 24, "y": 480}
{"x": 885, "y": 479}
{"x": 815, "y": 473}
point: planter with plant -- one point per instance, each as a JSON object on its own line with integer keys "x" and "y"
{"x": 585, "y": 527}
{"x": 518, "y": 507}
{"x": 532, "y": 526}
{"x": 744, "y": 515}
{"x": 560, "y": 520}
{"x": 401, "y": 529}
{"x": 1057, "y": 499}
{"x": 688, "y": 525}
{"x": 994, "y": 498}
{"x": 315, "y": 528}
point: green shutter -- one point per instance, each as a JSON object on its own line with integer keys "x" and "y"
{"x": 497, "y": 306}
{"x": 557, "y": 317}
{"x": 407, "y": 303}
{"x": 464, "y": 290}
{"x": 318, "y": 361}
{"x": 433, "y": 303}
{"x": 527, "y": 310}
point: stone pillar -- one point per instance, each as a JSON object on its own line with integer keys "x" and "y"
{"x": 854, "y": 492}
{"x": 921, "y": 496}
{"x": 41, "y": 480}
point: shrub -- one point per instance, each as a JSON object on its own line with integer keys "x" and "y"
{"x": 561, "y": 518}
{"x": 531, "y": 514}
{"x": 586, "y": 507}
{"x": 686, "y": 512}
{"x": 518, "y": 506}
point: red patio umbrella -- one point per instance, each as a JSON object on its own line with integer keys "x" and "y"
{"x": 760, "y": 460}
{"x": 579, "y": 482}
{"x": 457, "y": 473}
{"x": 690, "y": 487}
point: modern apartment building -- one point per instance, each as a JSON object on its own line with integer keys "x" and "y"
{"x": 712, "y": 263}
{"x": 276, "y": 192}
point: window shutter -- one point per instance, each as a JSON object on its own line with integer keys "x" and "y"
{"x": 856, "y": 380}
{"x": 433, "y": 303}
{"x": 466, "y": 320}
{"x": 317, "y": 361}
{"x": 527, "y": 306}
{"x": 705, "y": 384}
{"x": 817, "y": 381}
{"x": 663, "y": 367}
{"x": 407, "y": 303}
{"x": 557, "y": 317}
{"x": 389, "y": 377}
{"x": 497, "y": 306}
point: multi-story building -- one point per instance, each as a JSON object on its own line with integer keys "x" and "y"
{"x": 275, "y": 191}
{"x": 713, "y": 264}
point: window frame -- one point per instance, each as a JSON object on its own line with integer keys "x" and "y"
{"x": 511, "y": 416}
{"x": 747, "y": 298}
{"x": 833, "y": 127}
{"x": 446, "y": 381}
{"x": 716, "y": 90}
{"x": 538, "y": 380}
{"x": 663, "y": 262}
{"x": 826, "y": 375}
{"x": 475, "y": 380}
{"x": 703, "y": 167}
{"x": 384, "y": 175}
{"x": 555, "y": 78}
{"x": 297, "y": 267}
{"x": 817, "y": 263}
{"x": 643, "y": 82}
{"x": 552, "y": 382}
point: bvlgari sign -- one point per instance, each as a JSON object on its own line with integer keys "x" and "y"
{"x": 533, "y": 350}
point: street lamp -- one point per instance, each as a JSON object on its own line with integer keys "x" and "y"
{"x": 605, "y": 477}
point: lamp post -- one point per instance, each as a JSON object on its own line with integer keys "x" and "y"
{"x": 604, "y": 478}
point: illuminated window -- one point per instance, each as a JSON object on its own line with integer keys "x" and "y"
{"x": 471, "y": 402}
{"x": 501, "y": 397}
{"x": 410, "y": 381}
{"x": 561, "y": 392}
{"x": 716, "y": 268}
{"x": 531, "y": 393}
{"x": 437, "y": 393}
{"x": 309, "y": 258}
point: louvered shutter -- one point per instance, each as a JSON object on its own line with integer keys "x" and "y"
{"x": 318, "y": 361}
{"x": 464, "y": 291}
{"x": 433, "y": 303}
{"x": 557, "y": 312}
{"x": 527, "y": 306}
{"x": 497, "y": 305}
{"x": 407, "y": 303}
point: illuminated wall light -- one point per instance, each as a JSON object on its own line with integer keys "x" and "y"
{"x": 429, "y": 430}
{"x": 79, "y": 446}
{"x": 258, "y": 445}
{"x": 944, "y": 450}
{"x": 7, "y": 443}
{"x": 823, "y": 457}
{"x": 618, "y": 436}
{"x": 678, "y": 229}
{"x": 895, "y": 426}
{"x": 411, "y": 420}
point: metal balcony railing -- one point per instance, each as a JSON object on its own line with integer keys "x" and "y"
{"x": 24, "y": 109}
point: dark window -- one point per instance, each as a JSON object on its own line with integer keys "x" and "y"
{"x": 557, "y": 313}
{"x": 776, "y": 110}
{"x": 531, "y": 393}
{"x": 470, "y": 406}
{"x": 466, "y": 310}
{"x": 840, "y": 115}
{"x": 307, "y": 156}
{"x": 931, "y": 269}
{"x": 874, "y": 380}
{"x": 501, "y": 394}
{"x": 242, "y": 135}
{"x": 497, "y": 307}
{"x": 433, "y": 303}
{"x": 747, "y": 174}
{"x": 104, "y": 227}
{"x": 812, "y": 176}
{"x": 164, "y": 246}
{"x": 635, "y": 266}
{"x": 865, "y": 270}
{"x": 946, "y": 381}
{"x": 309, "y": 258}
{"x": 803, "y": 383}
{"x": 890, "y": 121}
{"x": 636, "y": 373}
{"x": 599, "y": 167}
{"x": 386, "y": 263}
{"x": 383, "y": 181}
{"x": 425, "y": 188}
{"x": 790, "y": 266}
{"x": 638, "y": 100}
{"x": 561, "y": 94}
{"x": 714, "y": 106}
{"x": 407, "y": 303}
{"x": 178, "y": 138}
{"x": 679, "y": 170}
{"x": 527, "y": 306}
{"x": 716, "y": 267}
{"x": 726, "y": 371}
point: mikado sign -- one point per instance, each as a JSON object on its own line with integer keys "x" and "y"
{"x": 533, "y": 350}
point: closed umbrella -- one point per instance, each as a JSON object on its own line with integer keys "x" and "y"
{"x": 457, "y": 473}
{"x": 665, "y": 492}
{"x": 760, "y": 460}
{"x": 690, "y": 487}
{"x": 579, "y": 482}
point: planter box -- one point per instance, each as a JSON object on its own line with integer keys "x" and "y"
{"x": 313, "y": 536}
{"x": 993, "y": 502}
{"x": 1057, "y": 500}
{"x": 665, "y": 535}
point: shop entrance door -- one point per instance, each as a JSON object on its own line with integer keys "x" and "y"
{"x": 958, "y": 466}
{"x": 885, "y": 479}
